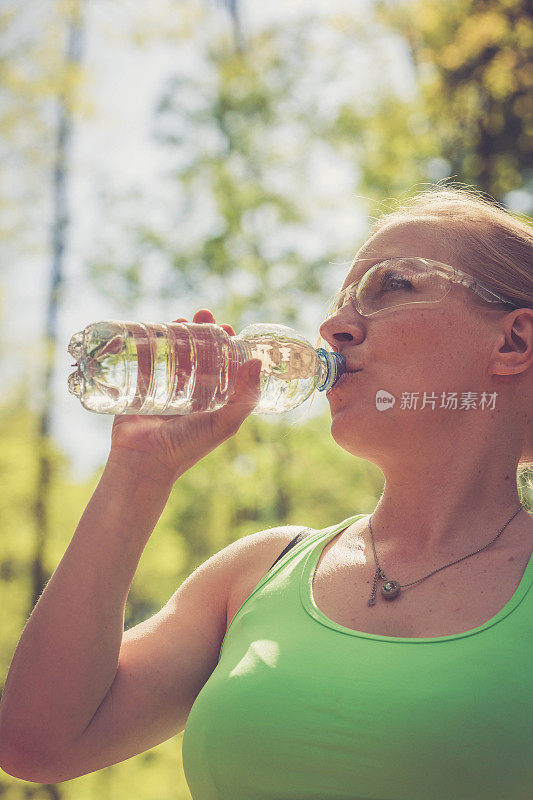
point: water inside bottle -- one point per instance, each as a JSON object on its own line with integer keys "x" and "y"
{"x": 131, "y": 368}
{"x": 135, "y": 368}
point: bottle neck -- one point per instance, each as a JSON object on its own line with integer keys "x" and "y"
{"x": 333, "y": 365}
{"x": 330, "y": 365}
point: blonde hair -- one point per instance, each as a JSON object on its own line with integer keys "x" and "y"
{"x": 493, "y": 244}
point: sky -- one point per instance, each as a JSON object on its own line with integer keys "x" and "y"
{"x": 114, "y": 148}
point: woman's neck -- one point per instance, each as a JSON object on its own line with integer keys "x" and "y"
{"x": 449, "y": 510}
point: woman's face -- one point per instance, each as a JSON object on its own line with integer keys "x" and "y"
{"x": 441, "y": 350}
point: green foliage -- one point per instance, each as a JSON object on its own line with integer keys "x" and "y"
{"x": 237, "y": 138}
{"x": 525, "y": 487}
{"x": 154, "y": 775}
{"x": 471, "y": 113}
{"x": 33, "y": 75}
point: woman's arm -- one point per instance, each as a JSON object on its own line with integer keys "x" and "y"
{"x": 67, "y": 657}
{"x": 149, "y": 684}
{"x": 72, "y": 675}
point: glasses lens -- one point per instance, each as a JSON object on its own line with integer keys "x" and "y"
{"x": 397, "y": 282}
{"x": 394, "y": 282}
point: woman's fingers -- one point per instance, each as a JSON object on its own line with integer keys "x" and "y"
{"x": 205, "y": 315}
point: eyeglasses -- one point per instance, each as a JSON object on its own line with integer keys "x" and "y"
{"x": 404, "y": 281}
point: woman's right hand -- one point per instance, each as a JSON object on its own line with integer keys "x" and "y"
{"x": 161, "y": 446}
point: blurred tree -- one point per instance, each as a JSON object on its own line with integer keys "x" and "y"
{"x": 470, "y": 112}
{"x": 234, "y": 117}
{"x": 237, "y": 126}
{"x": 12, "y": 117}
{"x": 18, "y": 476}
{"x": 20, "y": 112}
{"x": 233, "y": 9}
{"x": 238, "y": 132}
{"x": 60, "y": 221}
{"x": 40, "y": 67}
{"x": 33, "y": 74}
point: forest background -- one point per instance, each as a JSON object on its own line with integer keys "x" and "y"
{"x": 158, "y": 158}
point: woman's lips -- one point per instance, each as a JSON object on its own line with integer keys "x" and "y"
{"x": 343, "y": 378}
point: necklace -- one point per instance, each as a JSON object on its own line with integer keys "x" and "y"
{"x": 391, "y": 589}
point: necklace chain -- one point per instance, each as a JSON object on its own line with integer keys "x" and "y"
{"x": 391, "y": 588}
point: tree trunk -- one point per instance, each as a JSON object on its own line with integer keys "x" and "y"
{"x": 60, "y": 222}
{"x": 232, "y": 7}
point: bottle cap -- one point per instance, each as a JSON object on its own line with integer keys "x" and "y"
{"x": 335, "y": 365}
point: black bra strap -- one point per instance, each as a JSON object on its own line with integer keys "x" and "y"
{"x": 297, "y": 538}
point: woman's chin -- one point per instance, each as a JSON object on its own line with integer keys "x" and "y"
{"x": 359, "y": 428}
{"x": 348, "y": 425}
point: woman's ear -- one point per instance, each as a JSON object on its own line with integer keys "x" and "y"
{"x": 513, "y": 352}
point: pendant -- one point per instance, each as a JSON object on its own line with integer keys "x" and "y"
{"x": 390, "y": 590}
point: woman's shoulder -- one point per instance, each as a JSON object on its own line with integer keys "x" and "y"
{"x": 257, "y": 553}
{"x": 254, "y": 556}
{"x": 257, "y": 549}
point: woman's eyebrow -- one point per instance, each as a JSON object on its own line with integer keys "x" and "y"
{"x": 366, "y": 263}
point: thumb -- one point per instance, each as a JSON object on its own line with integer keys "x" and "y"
{"x": 245, "y": 395}
{"x": 247, "y": 384}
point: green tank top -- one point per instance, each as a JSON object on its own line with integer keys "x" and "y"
{"x": 301, "y": 707}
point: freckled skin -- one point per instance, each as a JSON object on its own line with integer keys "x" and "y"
{"x": 409, "y": 349}
{"x": 466, "y": 456}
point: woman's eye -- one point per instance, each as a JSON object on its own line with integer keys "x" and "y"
{"x": 395, "y": 282}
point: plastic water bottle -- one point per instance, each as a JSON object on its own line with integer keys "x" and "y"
{"x": 180, "y": 368}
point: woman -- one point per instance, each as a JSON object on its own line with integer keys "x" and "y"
{"x": 388, "y": 656}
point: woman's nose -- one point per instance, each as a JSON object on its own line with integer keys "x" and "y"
{"x": 338, "y": 328}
